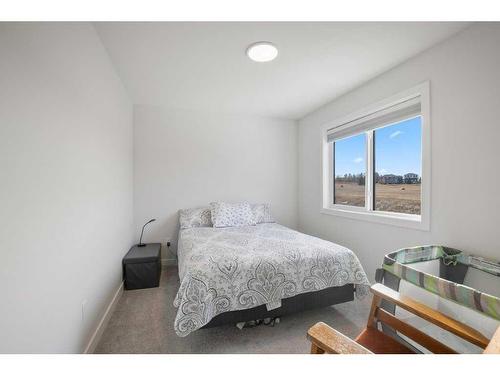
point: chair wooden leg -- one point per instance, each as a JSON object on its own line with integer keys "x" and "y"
{"x": 372, "y": 322}
{"x": 316, "y": 349}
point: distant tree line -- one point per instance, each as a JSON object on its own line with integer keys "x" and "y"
{"x": 409, "y": 178}
{"x": 348, "y": 177}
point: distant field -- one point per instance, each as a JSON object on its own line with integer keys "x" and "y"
{"x": 350, "y": 193}
{"x": 394, "y": 198}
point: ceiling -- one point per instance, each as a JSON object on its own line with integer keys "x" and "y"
{"x": 203, "y": 66}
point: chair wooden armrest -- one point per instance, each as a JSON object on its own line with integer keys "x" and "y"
{"x": 324, "y": 339}
{"x": 494, "y": 345}
{"x": 425, "y": 312}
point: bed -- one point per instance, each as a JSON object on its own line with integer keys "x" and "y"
{"x": 235, "y": 274}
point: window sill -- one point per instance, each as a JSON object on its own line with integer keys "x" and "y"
{"x": 388, "y": 218}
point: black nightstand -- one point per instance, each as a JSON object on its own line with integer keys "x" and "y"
{"x": 142, "y": 266}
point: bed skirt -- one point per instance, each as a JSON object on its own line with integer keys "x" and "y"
{"x": 301, "y": 302}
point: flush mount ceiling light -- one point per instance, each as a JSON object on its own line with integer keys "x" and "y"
{"x": 262, "y": 51}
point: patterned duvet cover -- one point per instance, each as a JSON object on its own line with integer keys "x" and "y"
{"x": 229, "y": 269}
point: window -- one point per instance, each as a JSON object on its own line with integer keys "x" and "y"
{"x": 349, "y": 171}
{"x": 398, "y": 166}
{"x": 376, "y": 163}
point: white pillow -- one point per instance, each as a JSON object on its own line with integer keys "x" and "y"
{"x": 195, "y": 217}
{"x": 231, "y": 214}
{"x": 262, "y": 213}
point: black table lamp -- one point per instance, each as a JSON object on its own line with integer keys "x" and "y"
{"x": 142, "y": 232}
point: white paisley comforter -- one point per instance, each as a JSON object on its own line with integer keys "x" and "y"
{"x": 228, "y": 269}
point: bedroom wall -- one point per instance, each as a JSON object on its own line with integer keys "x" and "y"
{"x": 187, "y": 159}
{"x": 66, "y": 192}
{"x": 465, "y": 81}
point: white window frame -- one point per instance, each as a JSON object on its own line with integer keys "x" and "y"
{"x": 422, "y": 221}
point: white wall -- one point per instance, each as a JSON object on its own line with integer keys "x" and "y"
{"x": 187, "y": 159}
{"x": 66, "y": 185}
{"x": 465, "y": 94}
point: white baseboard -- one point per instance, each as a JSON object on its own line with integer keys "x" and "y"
{"x": 96, "y": 336}
{"x": 168, "y": 262}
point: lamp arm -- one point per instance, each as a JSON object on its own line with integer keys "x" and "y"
{"x": 142, "y": 232}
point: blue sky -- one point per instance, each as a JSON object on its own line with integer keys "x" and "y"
{"x": 397, "y": 150}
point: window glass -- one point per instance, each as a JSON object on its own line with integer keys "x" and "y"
{"x": 350, "y": 170}
{"x": 398, "y": 167}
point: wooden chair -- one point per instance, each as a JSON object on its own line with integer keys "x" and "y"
{"x": 325, "y": 339}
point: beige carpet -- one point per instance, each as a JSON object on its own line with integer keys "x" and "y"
{"x": 143, "y": 323}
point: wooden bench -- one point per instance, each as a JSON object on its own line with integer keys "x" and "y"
{"x": 371, "y": 340}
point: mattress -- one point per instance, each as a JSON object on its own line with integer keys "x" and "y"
{"x": 237, "y": 268}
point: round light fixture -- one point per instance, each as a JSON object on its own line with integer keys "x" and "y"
{"x": 262, "y": 51}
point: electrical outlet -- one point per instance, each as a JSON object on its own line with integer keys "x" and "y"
{"x": 84, "y": 303}
{"x": 167, "y": 241}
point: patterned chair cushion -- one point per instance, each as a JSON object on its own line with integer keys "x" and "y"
{"x": 262, "y": 213}
{"x": 231, "y": 214}
{"x": 195, "y": 217}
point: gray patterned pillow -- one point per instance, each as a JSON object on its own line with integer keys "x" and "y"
{"x": 231, "y": 214}
{"x": 195, "y": 217}
{"x": 262, "y": 213}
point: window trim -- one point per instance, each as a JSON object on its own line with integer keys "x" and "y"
{"x": 420, "y": 222}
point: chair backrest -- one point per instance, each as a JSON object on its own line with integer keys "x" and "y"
{"x": 378, "y": 314}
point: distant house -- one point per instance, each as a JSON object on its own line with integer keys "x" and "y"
{"x": 391, "y": 179}
{"x": 411, "y": 178}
